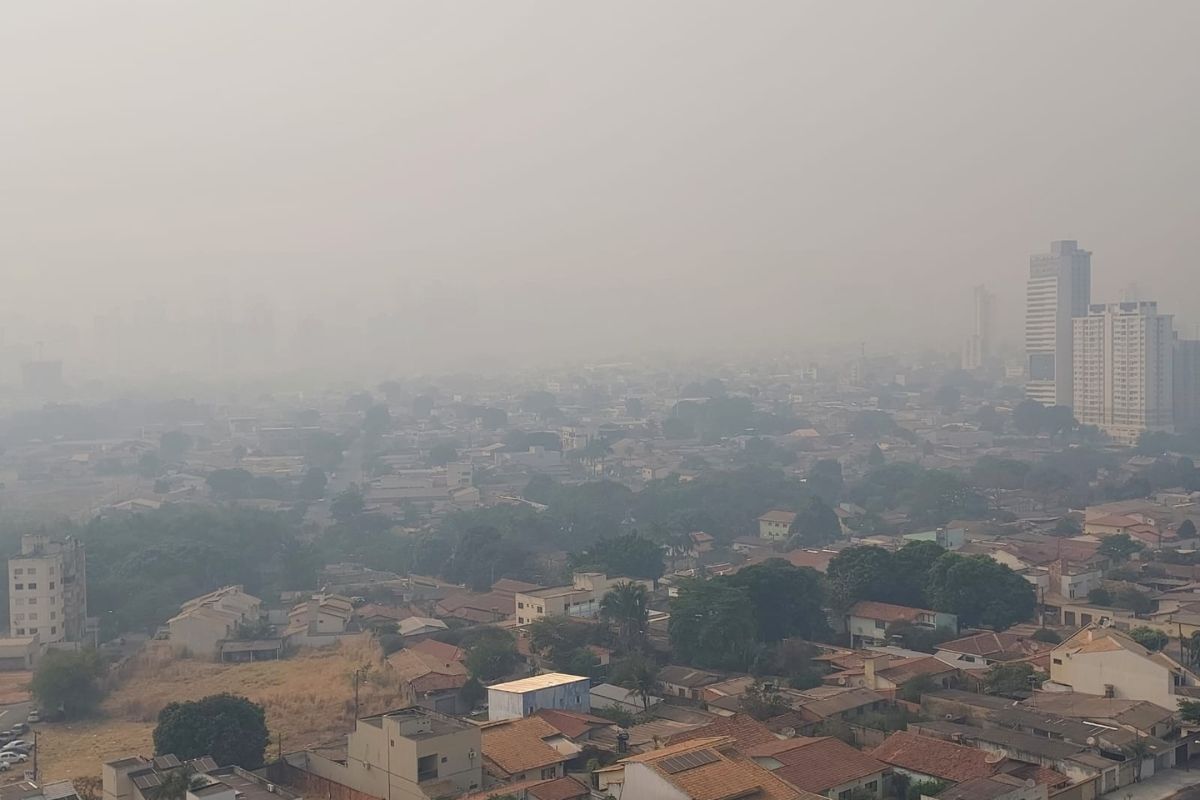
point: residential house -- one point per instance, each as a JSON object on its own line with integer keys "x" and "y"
{"x": 745, "y": 731}
{"x": 868, "y": 621}
{"x": 479, "y": 608}
{"x": 439, "y": 650}
{"x": 824, "y": 766}
{"x": 19, "y": 654}
{"x": 946, "y": 538}
{"x": 577, "y": 727}
{"x": 776, "y": 525}
{"x": 520, "y": 698}
{"x": 419, "y": 627}
{"x": 988, "y": 649}
{"x": 702, "y": 769}
{"x": 580, "y": 599}
{"x": 204, "y": 622}
{"x": 525, "y": 749}
{"x": 319, "y": 615}
{"x": 554, "y": 789}
{"x": 409, "y": 754}
{"x": 1106, "y": 662}
{"x": 888, "y": 675}
{"x": 924, "y": 758}
{"x": 686, "y": 682}
{"x": 434, "y": 682}
{"x": 607, "y": 695}
{"x": 996, "y": 787}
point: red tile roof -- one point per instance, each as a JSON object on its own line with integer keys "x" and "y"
{"x": 823, "y": 764}
{"x": 870, "y": 609}
{"x": 571, "y": 724}
{"x": 558, "y": 789}
{"x": 746, "y": 731}
{"x": 439, "y": 650}
{"x": 940, "y": 759}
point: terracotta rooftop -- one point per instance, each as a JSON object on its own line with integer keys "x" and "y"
{"x": 935, "y": 757}
{"x": 870, "y": 609}
{"x": 571, "y": 724}
{"x": 518, "y": 745}
{"x": 558, "y": 789}
{"x": 745, "y": 730}
{"x": 822, "y": 764}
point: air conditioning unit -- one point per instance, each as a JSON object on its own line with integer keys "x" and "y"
{"x": 271, "y": 788}
{"x": 1109, "y": 690}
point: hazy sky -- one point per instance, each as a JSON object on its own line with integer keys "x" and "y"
{"x": 470, "y": 179}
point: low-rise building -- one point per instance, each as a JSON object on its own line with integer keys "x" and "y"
{"x": 204, "y": 622}
{"x": 139, "y": 778}
{"x": 823, "y": 765}
{"x": 686, "y": 682}
{"x": 776, "y": 525}
{"x": 521, "y": 698}
{"x": 1106, "y": 662}
{"x": 408, "y": 754}
{"x": 989, "y": 648}
{"x": 580, "y": 599}
{"x": 19, "y": 654}
{"x": 434, "y": 682}
{"x": 868, "y": 621}
{"x": 526, "y": 749}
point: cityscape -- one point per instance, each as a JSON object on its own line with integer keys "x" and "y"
{"x": 672, "y": 400}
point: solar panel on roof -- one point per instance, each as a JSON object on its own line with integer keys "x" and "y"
{"x": 147, "y": 781}
{"x": 686, "y": 761}
{"x": 167, "y": 761}
{"x": 204, "y": 764}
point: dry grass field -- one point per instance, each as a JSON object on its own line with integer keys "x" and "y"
{"x": 309, "y": 698}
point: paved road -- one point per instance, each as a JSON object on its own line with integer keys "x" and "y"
{"x": 12, "y": 714}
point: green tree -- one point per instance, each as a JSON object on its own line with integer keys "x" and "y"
{"x": 787, "y": 600}
{"x": 1186, "y": 530}
{"x": 815, "y": 525}
{"x": 1149, "y": 638}
{"x": 627, "y": 605}
{"x": 377, "y": 420}
{"x": 312, "y": 485}
{"x": 1100, "y": 596}
{"x": 929, "y": 788}
{"x": 639, "y": 675}
{"x": 911, "y": 565}
{"x": 347, "y": 504}
{"x": 177, "y": 783}
{"x": 763, "y": 701}
{"x": 1046, "y": 635}
{"x": 631, "y": 556}
{"x": 875, "y": 457}
{"x": 980, "y": 591}
{"x": 492, "y": 655}
{"x": 712, "y": 624}
{"x": 472, "y": 693}
{"x": 441, "y": 454}
{"x": 1189, "y": 711}
{"x": 230, "y": 484}
{"x": 940, "y": 496}
{"x": 859, "y": 573}
{"x": 825, "y": 480}
{"x": 68, "y": 680}
{"x": 1008, "y": 678}
{"x": 1119, "y": 547}
{"x": 232, "y": 729}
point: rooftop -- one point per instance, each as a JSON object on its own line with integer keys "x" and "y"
{"x": 537, "y": 682}
{"x": 940, "y": 759}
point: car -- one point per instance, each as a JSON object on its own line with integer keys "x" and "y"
{"x": 13, "y": 757}
{"x": 5, "y": 766}
{"x": 17, "y": 743}
{"x": 33, "y": 716}
{"x": 20, "y": 728}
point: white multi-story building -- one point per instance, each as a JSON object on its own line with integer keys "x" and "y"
{"x": 978, "y": 347}
{"x": 47, "y": 589}
{"x": 1059, "y": 289}
{"x": 1123, "y": 369}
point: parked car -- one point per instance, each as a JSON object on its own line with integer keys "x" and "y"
{"x": 5, "y": 766}
{"x": 13, "y": 757}
{"x": 17, "y": 744}
{"x": 33, "y": 716}
{"x": 20, "y": 728}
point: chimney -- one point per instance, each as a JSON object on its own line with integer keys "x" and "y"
{"x": 870, "y": 664}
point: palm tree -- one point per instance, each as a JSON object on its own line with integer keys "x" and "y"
{"x": 639, "y": 676}
{"x": 177, "y": 783}
{"x": 1137, "y": 750}
{"x": 627, "y": 604}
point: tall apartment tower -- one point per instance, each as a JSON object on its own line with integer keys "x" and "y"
{"x": 1059, "y": 289}
{"x": 1187, "y": 384}
{"x": 1124, "y": 368}
{"x": 978, "y": 347}
{"x": 47, "y": 589}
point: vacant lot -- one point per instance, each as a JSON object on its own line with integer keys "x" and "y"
{"x": 309, "y": 698}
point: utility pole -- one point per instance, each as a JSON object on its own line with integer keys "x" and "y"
{"x": 35, "y": 754}
{"x": 356, "y": 678}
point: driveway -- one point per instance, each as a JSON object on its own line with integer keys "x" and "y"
{"x": 1170, "y": 783}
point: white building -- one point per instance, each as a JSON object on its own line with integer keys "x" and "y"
{"x": 1059, "y": 289}
{"x": 555, "y": 690}
{"x": 204, "y": 622}
{"x": 1186, "y": 379}
{"x": 1124, "y": 362}
{"x": 47, "y": 589}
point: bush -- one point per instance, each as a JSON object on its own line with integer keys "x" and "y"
{"x": 619, "y": 715}
{"x": 928, "y": 788}
{"x": 1046, "y": 635}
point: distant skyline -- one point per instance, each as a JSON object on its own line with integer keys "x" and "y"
{"x": 423, "y": 186}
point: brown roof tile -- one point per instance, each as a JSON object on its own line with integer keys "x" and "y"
{"x": 518, "y": 745}
{"x": 745, "y": 730}
{"x": 941, "y": 759}
{"x": 819, "y": 765}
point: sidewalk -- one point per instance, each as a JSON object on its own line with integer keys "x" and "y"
{"x": 1163, "y": 785}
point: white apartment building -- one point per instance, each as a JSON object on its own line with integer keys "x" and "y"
{"x": 1059, "y": 289}
{"x": 1123, "y": 368}
{"x": 47, "y": 589}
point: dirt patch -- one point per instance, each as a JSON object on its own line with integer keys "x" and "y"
{"x": 309, "y": 699}
{"x": 14, "y": 687}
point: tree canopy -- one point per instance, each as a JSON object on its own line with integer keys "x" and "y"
{"x": 232, "y": 729}
{"x": 68, "y": 680}
{"x": 712, "y": 624}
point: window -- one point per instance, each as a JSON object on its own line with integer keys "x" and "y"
{"x": 32, "y": 631}
{"x": 32, "y": 571}
{"x": 20, "y": 631}
{"x": 539, "y": 609}
{"x": 33, "y": 617}
{"x": 53, "y": 615}
{"x": 1058, "y": 661}
{"x": 427, "y": 767}
{"x": 19, "y": 586}
{"x": 32, "y": 585}
{"x": 53, "y": 630}
{"x": 549, "y": 772}
{"x": 19, "y": 571}
{"x": 51, "y": 584}
{"x": 520, "y": 605}
{"x": 844, "y": 795}
{"x": 873, "y": 786}
{"x": 879, "y": 625}
{"x": 19, "y": 617}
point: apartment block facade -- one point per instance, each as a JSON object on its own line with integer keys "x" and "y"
{"x": 47, "y": 589}
{"x": 1059, "y": 289}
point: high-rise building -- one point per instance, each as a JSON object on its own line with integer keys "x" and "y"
{"x": 1059, "y": 289}
{"x": 1187, "y": 384}
{"x": 1124, "y": 363}
{"x": 978, "y": 347}
{"x": 47, "y": 589}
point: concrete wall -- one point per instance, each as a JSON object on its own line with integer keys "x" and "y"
{"x": 1131, "y": 676}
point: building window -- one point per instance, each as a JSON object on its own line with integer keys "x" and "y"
{"x": 19, "y": 571}
{"x": 427, "y": 767}
{"x": 844, "y": 795}
{"x": 1058, "y": 661}
{"x": 873, "y": 786}
{"x": 51, "y": 584}
{"x": 549, "y": 772}
{"x": 32, "y": 631}
{"x": 20, "y": 631}
{"x": 19, "y": 586}
{"x": 53, "y": 615}
{"x": 53, "y": 630}
{"x": 33, "y": 617}
{"x": 32, "y": 571}
{"x": 539, "y": 609}
{"x": 520, "y": 605}
{"x": 33, "y": 586}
